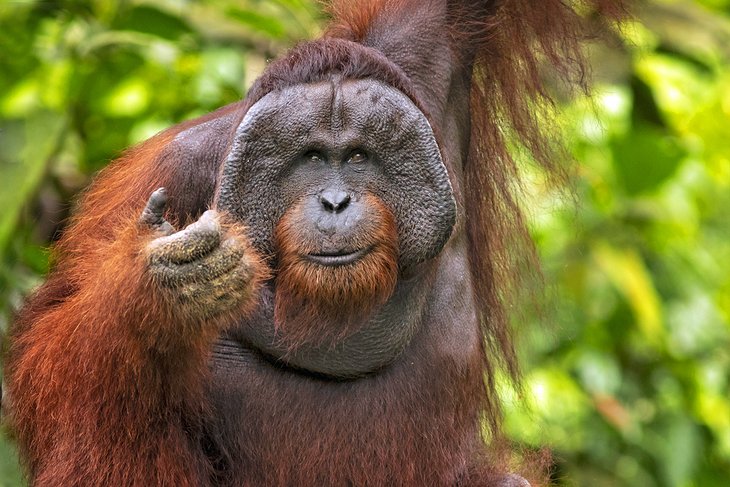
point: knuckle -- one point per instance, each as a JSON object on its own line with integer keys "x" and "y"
{"x": 162, "y": 274}
{"x": 155, "y": 254}
{"x": 244, "y": 269}
{"x": 207, "y": 223}
{"x": 203, "y": 237}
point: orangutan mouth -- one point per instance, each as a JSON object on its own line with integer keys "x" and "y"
{"x": 337, "y": 258}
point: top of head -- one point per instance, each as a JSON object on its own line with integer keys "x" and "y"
{"x": 335, "y": 117}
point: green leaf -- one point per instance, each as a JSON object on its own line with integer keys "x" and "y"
{"x": 645, "y": 108}
{"x": 681, "y": 451}
{"x": 150, "y": 20}
{"x": 10, "y": 475}
{"x": 129, "y": 98}
{"x": 645, "y": 158}
{"x": 628, "y": 273}
{"x": 21, "y": 177}
{"x": 36, "y": 257}
{"x": 261, "y": 23}
{"x": 21, "y": 99}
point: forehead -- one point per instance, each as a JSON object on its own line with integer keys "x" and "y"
{"x": 335, "y": 104}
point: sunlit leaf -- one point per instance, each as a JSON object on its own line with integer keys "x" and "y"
{"x": 560, "y": 406}
{"x": 261, "y": 23}
{"x": 629, "y": 275}
{"x": 714, "y": 410}
{"x": 21, "y": 99}
{"x": 676, "y": 85}
{"x": 130, "y": 98}
{"x": 21, "y": 177}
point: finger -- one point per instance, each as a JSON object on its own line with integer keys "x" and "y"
{"x": 195, "y": 241}
{"x": 204, "y": 270}
{"x": 153, "y": 213}
{"x": 220, "y": 294}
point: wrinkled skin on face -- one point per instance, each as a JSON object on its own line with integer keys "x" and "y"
{"x": 342, "y": 183}
{"x": 302, "y": 309}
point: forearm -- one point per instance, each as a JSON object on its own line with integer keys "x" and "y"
{"x": 87, "y": 366}
{"x": 127, "y": 346}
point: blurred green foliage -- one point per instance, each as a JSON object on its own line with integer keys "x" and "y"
{"x": 632, "y": 384}
{"x": 629, "y": 383}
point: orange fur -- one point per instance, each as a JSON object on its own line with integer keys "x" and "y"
{"x": 149, "y": 361}
{"x": 110, "y": 369}
{"x": 110, "y": 383}
{"x": 317, "y": 304}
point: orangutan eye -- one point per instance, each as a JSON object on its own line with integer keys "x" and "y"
{"x": 357, "y": 157}
{"x": 313, "y": 156}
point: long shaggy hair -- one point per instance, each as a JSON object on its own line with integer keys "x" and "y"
{"x": 98, "y": 402}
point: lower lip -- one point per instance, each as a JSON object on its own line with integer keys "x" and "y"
{"x": 337, "y": 260}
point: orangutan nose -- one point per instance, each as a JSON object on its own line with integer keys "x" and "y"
{"x": 334, "y": 201}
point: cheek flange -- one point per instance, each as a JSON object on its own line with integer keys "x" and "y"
{"x": 279, "y": 128}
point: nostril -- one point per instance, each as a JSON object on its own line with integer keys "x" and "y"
{"x": 334, "y": 201}
{"x": 342, "y": 202}
{"x": 327, "y": 205}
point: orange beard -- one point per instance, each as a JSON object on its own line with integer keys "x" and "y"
{"x": 325, "y": 304}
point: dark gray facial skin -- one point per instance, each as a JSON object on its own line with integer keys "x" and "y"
{"x": 327, "y": 144}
